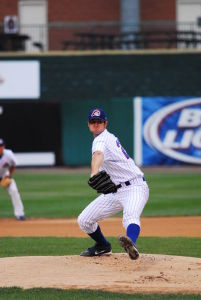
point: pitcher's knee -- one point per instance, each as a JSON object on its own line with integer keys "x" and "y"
{"x": 87, "y": 225}
{"x": 81, "y": 221}
{"x": 131, "y": 220}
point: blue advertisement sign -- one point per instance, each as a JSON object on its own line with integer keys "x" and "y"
{"x": 171, "y": 130}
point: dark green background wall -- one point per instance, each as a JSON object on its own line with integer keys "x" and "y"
{"x": 110, "y": 81}
{"x": 76, "y": 137}
{"x": 107, "y": 76}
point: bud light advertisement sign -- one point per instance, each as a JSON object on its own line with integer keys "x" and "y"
{"x": 171, "y": 130}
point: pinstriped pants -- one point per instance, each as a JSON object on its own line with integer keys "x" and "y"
{"x": 16, "y": 199}
{"x": 131, "y": 199}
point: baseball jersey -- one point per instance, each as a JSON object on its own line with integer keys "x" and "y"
{"x": 116, "y": 161}
{"x": 7, "y": 160}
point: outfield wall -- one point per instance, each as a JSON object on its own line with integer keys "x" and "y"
{"x": 76, "y": 137}
{"x": 76, "y": 82}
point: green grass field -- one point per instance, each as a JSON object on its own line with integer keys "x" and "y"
{"x": 59, "y": 194}
{"x": 55, "y": 294}
{"x": 31, "y": 246}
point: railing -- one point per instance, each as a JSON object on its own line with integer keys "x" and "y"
{"x": 133, "y": 40}
{"x": 106, "y": 35}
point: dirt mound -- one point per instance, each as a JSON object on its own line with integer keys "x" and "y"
{"x": 149, "y": 274}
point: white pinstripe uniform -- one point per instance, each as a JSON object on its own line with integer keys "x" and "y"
{"x": 129, "y": 198}
{"x": 8, "y": 160}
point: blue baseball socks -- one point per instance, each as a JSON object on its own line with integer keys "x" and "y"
{"x": 133, "y": 231}
{"x": 99, "y": 237}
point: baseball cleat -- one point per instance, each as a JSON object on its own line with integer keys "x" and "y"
{"x": 20, "y": 218}
{"x": 97, "y": 250}
{"x": 129, "y": 247}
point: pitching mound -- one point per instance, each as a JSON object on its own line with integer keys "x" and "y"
{"x": 149, "y": 274}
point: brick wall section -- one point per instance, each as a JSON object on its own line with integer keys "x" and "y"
{"x": 79, "y": 10}
{"x": 87, "y": 10}
{"x": 96, "y": 10}
{"x": 158, "y": 10}
{"x": 7, "y": 8}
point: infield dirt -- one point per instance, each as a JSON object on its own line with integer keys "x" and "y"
{"x": 152, "y": 226}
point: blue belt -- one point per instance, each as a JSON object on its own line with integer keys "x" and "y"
{"x": 127, "y": 183}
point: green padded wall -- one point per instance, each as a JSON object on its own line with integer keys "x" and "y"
{"x": 107, "y": 76}
{"x": 76, "y": 137}
{"x": 97, "y": 76}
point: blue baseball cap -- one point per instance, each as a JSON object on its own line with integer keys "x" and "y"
{"x": 97, "y": 114}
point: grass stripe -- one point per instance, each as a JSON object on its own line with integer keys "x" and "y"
{"x": 30, "y": 246}
{"x": 55, "y": 294}
{"x": 60, "y": 194}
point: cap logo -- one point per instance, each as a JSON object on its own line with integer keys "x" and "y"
{"x": 95, "y": 113}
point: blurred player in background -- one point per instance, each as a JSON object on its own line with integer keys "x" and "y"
{"x": 7, "y": 168}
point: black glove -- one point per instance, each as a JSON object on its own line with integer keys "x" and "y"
{"x": 102, "y": 183}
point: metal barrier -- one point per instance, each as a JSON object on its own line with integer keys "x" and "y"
{"x": 105, "y": 35}
{"x": 131, "y": 40}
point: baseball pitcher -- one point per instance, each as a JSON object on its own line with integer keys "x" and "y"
{"x": 121, "y": 185}
{"x": 7, "y": 168}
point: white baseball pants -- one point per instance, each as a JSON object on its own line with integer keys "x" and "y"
{"x": 131, "y": 199}
{"x": 16, "y": 199}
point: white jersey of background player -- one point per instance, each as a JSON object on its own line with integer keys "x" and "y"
{"x": 7, "y": 167}
{"x": 131, "y": 196}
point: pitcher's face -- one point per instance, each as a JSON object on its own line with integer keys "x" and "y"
{"x": 97, "y": 126}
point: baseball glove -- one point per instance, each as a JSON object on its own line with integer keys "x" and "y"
{"x": 102, "y": 183}
{"x": 5, "y": 182}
